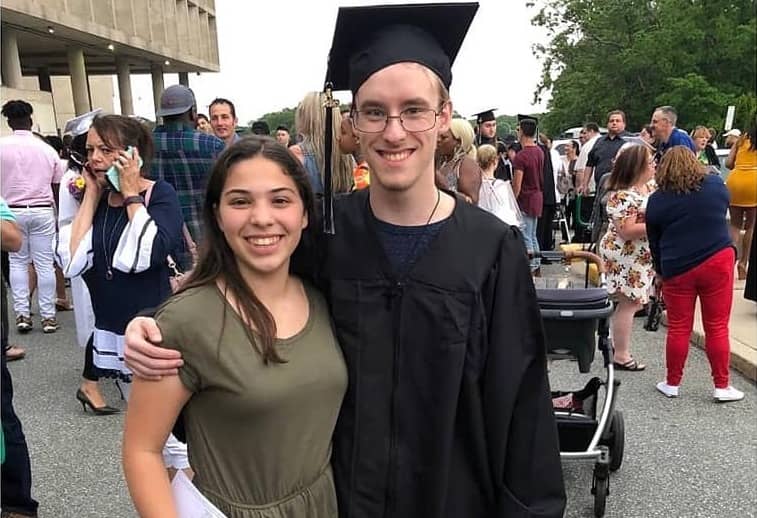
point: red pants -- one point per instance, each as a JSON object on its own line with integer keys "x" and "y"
{"x": 712, "y": 282}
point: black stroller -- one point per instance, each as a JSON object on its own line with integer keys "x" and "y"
{"x": 576, "y": 322}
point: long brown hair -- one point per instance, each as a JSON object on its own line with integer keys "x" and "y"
{"x": 679, "y": 171}
{"x": 217, "y": 260}
{"x": 628, "y": 166}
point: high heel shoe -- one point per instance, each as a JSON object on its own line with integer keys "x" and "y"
{"x": 97, "y": 410}
{"x": 120, "y": 390}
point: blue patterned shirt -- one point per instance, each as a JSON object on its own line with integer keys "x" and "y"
{"x": 184, "y": 158}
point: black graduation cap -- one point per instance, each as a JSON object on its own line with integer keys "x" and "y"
{"x": 81, "y": 124}
{"x": 485, "y": 116}
{"x": 521, "y": 117}
{"x": 367, "y": 39}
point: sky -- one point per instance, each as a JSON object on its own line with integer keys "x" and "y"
{"x": 273, "y": 52}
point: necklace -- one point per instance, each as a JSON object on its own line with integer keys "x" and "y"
{"x": 436, "y": 206}
{"x": 108, "y": 260}
{"x": 410, "y": 259}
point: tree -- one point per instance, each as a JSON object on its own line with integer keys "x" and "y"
{"x": 697, "y": 55}
{"x": 284, "y": 117}
{"x": 506, "y": 125}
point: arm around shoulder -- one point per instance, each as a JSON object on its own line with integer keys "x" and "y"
{"x": 179, "y": 321}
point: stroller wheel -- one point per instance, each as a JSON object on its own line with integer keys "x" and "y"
{"x": 617, "y": 440}
{"x": 601, "y": 489}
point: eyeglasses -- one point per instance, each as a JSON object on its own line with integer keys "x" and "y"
{"x": 412, "y": 120}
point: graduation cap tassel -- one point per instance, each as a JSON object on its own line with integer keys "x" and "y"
{"x": 328, "y": 195}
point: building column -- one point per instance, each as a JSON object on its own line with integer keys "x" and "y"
{"x": 156, "y": 70}
{"x": 43, "y": 75}
{"x": 184, "y": 79}
{"x": 11, "y": 62}
{"x": 124, "y": 86}
{"x": 79, "y": 83}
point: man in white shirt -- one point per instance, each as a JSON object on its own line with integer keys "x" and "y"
{"x": 583, "y": 188}
{"x": 592, "y": 135}
{"x": 30, "y": 170}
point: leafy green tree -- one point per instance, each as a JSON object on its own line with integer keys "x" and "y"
{"x": 284, "y": 117}
{"x": 506, "y": 124}
{"x": 697, "y": 55}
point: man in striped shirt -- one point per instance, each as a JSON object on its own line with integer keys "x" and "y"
{"x": 184, "y": 158}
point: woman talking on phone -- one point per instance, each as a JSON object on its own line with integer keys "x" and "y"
{"x": 118, "y": 241}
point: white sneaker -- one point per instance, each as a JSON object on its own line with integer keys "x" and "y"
{"x": 668, "y": 390}
{"x": 729, "y": 393}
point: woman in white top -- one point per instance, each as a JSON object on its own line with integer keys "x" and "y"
{"x": 496, "y": 196}
{"x": 69, "y": 197}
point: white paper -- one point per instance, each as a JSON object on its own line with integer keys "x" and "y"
{"x": 190, "y": 503}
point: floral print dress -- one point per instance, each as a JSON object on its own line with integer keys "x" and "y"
{"x": 628, "y": 263}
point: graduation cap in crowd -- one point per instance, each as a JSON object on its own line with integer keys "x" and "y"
{"x": 370, "y": 38}
{"x": 521, "y": 117}
{"x": 485, "y": 116}
{"x": 367, "y": 39}
{"x": 81, "y": 124}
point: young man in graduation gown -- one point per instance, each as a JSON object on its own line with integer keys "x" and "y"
{"x": 486, "y": 123}
{"x": 448, "y": 412}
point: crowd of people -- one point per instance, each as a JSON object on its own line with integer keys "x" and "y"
{"x": 396, "y": 367}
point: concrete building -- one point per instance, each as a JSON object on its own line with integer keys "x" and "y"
{"x": 60, "y": 55}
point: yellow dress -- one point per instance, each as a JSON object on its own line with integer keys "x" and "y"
{"x": 742, "y": 180}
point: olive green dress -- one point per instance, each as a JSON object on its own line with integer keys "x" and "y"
{"x": 259, "y": 436}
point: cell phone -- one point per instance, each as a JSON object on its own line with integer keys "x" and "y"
{"x": 111, "y": 175}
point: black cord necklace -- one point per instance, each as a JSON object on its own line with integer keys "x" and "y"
{"x": 436, "y": 206}
{"x": 108, "y": 260}
{"x": 410, "y": 259}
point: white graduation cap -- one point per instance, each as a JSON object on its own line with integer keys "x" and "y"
{"x": 80, "y": 125}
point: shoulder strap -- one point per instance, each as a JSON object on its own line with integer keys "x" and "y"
{"x": 188, "y": 241}
{"x": 148, "y": 194}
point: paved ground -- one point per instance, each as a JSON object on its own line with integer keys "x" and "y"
{"x": 743, "y": 329}
{"x": 688, "y": 457}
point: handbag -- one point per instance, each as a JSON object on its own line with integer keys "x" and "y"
{"x": 564, "y": 184}
{"x": 654, "y": 313}
{"x": 176, "y": 276}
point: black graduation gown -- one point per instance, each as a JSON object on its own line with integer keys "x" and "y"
{"x": 448, "y": 411}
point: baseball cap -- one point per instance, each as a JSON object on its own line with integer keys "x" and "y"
{"x": 176, "y": 99}
{"x": 732, "y": 133}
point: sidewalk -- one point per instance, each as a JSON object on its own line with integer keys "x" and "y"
{"x": 743, "y": 327}
{"x": 743, "y": 333}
